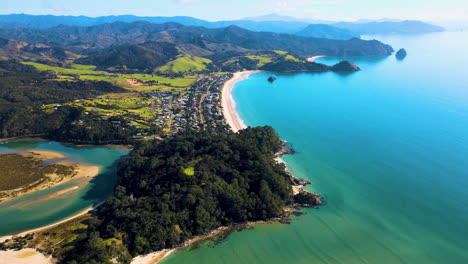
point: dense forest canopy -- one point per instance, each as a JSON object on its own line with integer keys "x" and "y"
{"x": 187, "y": 185}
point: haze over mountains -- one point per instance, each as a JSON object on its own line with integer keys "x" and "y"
{"x": 154, "y": 44}
{"x": 144, "y": 46}
{"x": 270, "y": 23}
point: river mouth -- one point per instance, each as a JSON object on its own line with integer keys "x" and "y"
{"x": 45, "y": 207}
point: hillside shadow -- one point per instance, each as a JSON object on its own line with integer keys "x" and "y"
{"x": 102, "y": 186}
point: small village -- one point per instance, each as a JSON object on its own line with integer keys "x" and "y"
{"x": 159, "y": 112}
{"x": 198, "y": 108}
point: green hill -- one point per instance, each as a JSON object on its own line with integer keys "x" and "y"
{"x": 186, "y": 63}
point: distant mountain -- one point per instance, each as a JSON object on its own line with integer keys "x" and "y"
{"x": 362, "y": 21}
{"x": 200, "y": 40}
{"x": 277, "y": 17}
{"x": 301, "y": 46}
{"x": 360, "y": 27}
{"x": 326, "y": 31}
{"x": 270, "y": 23}
{"x": 92, "y": 38}
{"x": 403, "y": 27}
{"x": 49, "y": 21}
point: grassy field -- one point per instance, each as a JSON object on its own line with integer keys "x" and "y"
{"x": 163, "y": 81}
{"x": 76, "y": 69}
{"x": 281, "y": 52}
{"x": 262, "y": 60}
{"x": 88, "y": 72}
{"x": 19, "y": 171}
{"x": 292, "y": 58}
{"x": 185, "y": 63}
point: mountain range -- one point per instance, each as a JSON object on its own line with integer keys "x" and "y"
{"x": 269, "y": 23}
{"x": 146, "y": 47}
{"x": 196, "y": 40}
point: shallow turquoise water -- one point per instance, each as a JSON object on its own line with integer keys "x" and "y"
{"x": 36, "y": 209}
{"x": 388, "y": 149}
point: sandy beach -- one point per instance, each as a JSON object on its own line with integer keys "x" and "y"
{"x": 229, "y": 105}
{"x": 156, "y": 257}
{"x": 24, "y": 256}
{"x": 312, "y": 59}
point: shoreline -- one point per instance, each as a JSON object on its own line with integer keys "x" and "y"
{"x": 235, "y": 123}
{"x": 65, "y": 143}
{"x": 231, "y": 116}
{"x": 158, "y": 256}
{"x": 23, "y": 233}
{"x": 312, "y": 59}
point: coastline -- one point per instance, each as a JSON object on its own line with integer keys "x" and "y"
{"x": 312, "y": 59}
{"x": 158, "y": 256}
{"x": 83, "y": 212}
{"x": 235, "y": 123}
{"x": 231, "y": 116}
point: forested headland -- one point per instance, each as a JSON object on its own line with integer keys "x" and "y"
{"x": 184, "y": 186}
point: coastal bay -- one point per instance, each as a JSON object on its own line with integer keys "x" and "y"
{"x": 379, "y": 145}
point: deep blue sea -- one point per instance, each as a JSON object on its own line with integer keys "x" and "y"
{"x": 387, "y": 147}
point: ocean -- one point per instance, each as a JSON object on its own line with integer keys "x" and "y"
{"x": 386, "y": 147}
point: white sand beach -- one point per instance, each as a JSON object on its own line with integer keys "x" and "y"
{"x": 24, "y": 256}
{"x": 229, "y": 105}
{"x": 312, "y": 59}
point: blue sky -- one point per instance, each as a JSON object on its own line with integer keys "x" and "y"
{"x": 342, "y": 10}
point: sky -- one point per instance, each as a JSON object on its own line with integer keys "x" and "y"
{"x": 215, "y": 10}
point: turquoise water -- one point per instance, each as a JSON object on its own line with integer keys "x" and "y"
{"x": 37, "y": 209}
{"x": 388, "y": 149}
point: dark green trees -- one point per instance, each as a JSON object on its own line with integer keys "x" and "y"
{"x": 158, "y": 205}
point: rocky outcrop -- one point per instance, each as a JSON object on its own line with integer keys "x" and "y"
{"x": 345, "y": 66}
{"x": 401, "y": 54}
{"x": 307, "y": 199}
{"x": 299, "y": 182}
{"x": 285, "y": 151}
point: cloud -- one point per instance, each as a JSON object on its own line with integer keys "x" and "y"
{"x": 284, "y": 6}
{"x": 57, "y": 8}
